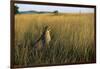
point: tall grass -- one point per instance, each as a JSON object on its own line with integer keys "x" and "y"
{"x": 72, "y": 39}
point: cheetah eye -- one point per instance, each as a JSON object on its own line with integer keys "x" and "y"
{"x": 49, "y": 29}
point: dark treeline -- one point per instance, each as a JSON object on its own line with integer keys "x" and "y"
{"x": 16, "y": 11}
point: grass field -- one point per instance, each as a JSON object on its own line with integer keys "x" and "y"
{"x": 72, "y": 39}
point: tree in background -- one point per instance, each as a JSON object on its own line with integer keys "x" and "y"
{"x": 16, "y": 9}
{"x": 56, "y": 12}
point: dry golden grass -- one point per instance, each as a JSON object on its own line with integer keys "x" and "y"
{"x": 72, "y": 39}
